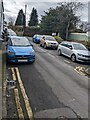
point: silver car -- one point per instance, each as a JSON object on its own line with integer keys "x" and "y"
{"x": 48, "y": 42}
{"x": 75, "y": 51}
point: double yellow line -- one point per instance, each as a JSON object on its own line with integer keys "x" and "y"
{"x": 25, "y": 97}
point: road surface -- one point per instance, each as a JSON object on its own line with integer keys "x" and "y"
{"x": 55, "y": 88}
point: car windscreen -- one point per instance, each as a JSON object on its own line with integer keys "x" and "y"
{"x": 49, "y": 38}
{"x": 79, "y": 47}
{"x": 39, "y": 36}
{"x": 20, "y": 42}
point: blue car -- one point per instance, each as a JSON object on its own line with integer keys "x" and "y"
{"x": 37, "y": 38}
{"x": 19, "y": 49}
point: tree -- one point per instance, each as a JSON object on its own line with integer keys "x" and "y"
{"x": 11, "y": 21}
{"x": 33, "y": 18}
{"x": 61, "y": 20}
{"x": 20, "y": 18}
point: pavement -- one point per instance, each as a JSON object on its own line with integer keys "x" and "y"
{"x": 0, "y": 79}
{"x": 2, "y": 83}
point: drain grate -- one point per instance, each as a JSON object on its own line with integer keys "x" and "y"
{"x": 11, "y": 84}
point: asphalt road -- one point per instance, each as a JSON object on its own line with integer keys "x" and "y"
{"x": 53, "y": 86}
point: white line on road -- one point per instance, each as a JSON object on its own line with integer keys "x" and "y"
{"x": 67, "y": 61}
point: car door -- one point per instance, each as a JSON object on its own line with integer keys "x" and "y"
{"x": 68, "y": 50}
{"x": 63, "y": 48}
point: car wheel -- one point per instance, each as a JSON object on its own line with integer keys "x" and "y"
{"x": 45, "y": 46}
{"x": 59, "y": 52}
{"x": 73, "y": 58}
{"x": 40, "y": 45}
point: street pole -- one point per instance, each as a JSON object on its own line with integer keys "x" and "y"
{"x": 25, "y": 14}
{"x": 24, "y": 26}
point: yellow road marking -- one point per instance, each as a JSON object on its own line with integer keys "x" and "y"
{"x": 13, "y": 74}
{"x": 19, "y": 109}
{"x": 79, "y": 70}
{"x": 27, "y": 104}
{"x": 17, "y": 99}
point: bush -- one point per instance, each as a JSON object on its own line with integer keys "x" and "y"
{"x": 30, "y": 31}
{"x": 19, "y": 33}
{"x": 17, "y": 28}
{"x": 58, "y": 39}
{"x": 87, "y": 44}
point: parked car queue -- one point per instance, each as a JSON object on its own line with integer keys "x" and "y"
{"x": 73, "y": 50}
{"x": 19, "y": 49}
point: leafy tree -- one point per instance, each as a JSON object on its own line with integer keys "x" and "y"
{"x": 62, "y": 19}
{"x": 33, "y": 18}
{"x": 20, "y": 18}
{"x": 11, "y": 21}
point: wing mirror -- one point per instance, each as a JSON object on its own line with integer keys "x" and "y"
{"x": 70, "y": 48}
{"x": 6, "y": 44}
{"x": 32, "y": 45}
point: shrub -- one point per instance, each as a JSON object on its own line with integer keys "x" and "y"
{"x": 58, "y": 39}
{"x": 87, "y": 44}
{"x": 30, "y": 31}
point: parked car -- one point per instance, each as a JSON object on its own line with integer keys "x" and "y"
{"x": 10, "y": 33}
{"x": 75, "y": 51}
{"x": 48, "y": 42}
{"x": 36, "y": 38}
{"x": 19, "y": 49}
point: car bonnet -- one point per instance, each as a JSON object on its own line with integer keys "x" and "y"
{"x": 83, "y": 52}
{"x": 22, "y": 49}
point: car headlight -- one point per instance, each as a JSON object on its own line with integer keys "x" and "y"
{"x": 10, "y": 52}
{"x": 48, "y": 43}
{"x": 32, "y": 52}
{"x": 80, "y": 54}
{"x": 57, "y": 44}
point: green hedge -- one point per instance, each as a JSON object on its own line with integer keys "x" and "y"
{"x": 58, "y": 39}
{"x": 17, "y": 28}
{"x": 30, "y": 31}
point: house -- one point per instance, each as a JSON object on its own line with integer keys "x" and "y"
{"x": 1, "y": 17}
{"x": 78, "y": 36}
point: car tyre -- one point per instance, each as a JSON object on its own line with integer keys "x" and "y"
{"x": 40, "y": 45}
{"x": 59, "y": 52}
{"x": 73, "y": 58}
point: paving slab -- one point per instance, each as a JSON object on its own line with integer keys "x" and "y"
{"x": 0, "y": 84}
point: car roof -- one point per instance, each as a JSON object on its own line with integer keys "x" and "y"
{"x": 37, "y": 34}
{"x": 17, "y": 37}
{"x": 47, "y": 36}
{"x": 68, "y": 42}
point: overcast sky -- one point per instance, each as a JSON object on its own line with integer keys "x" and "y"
{"x": 12, "y": 7}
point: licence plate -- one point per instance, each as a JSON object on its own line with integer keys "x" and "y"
{"x": 23, "y": 60}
